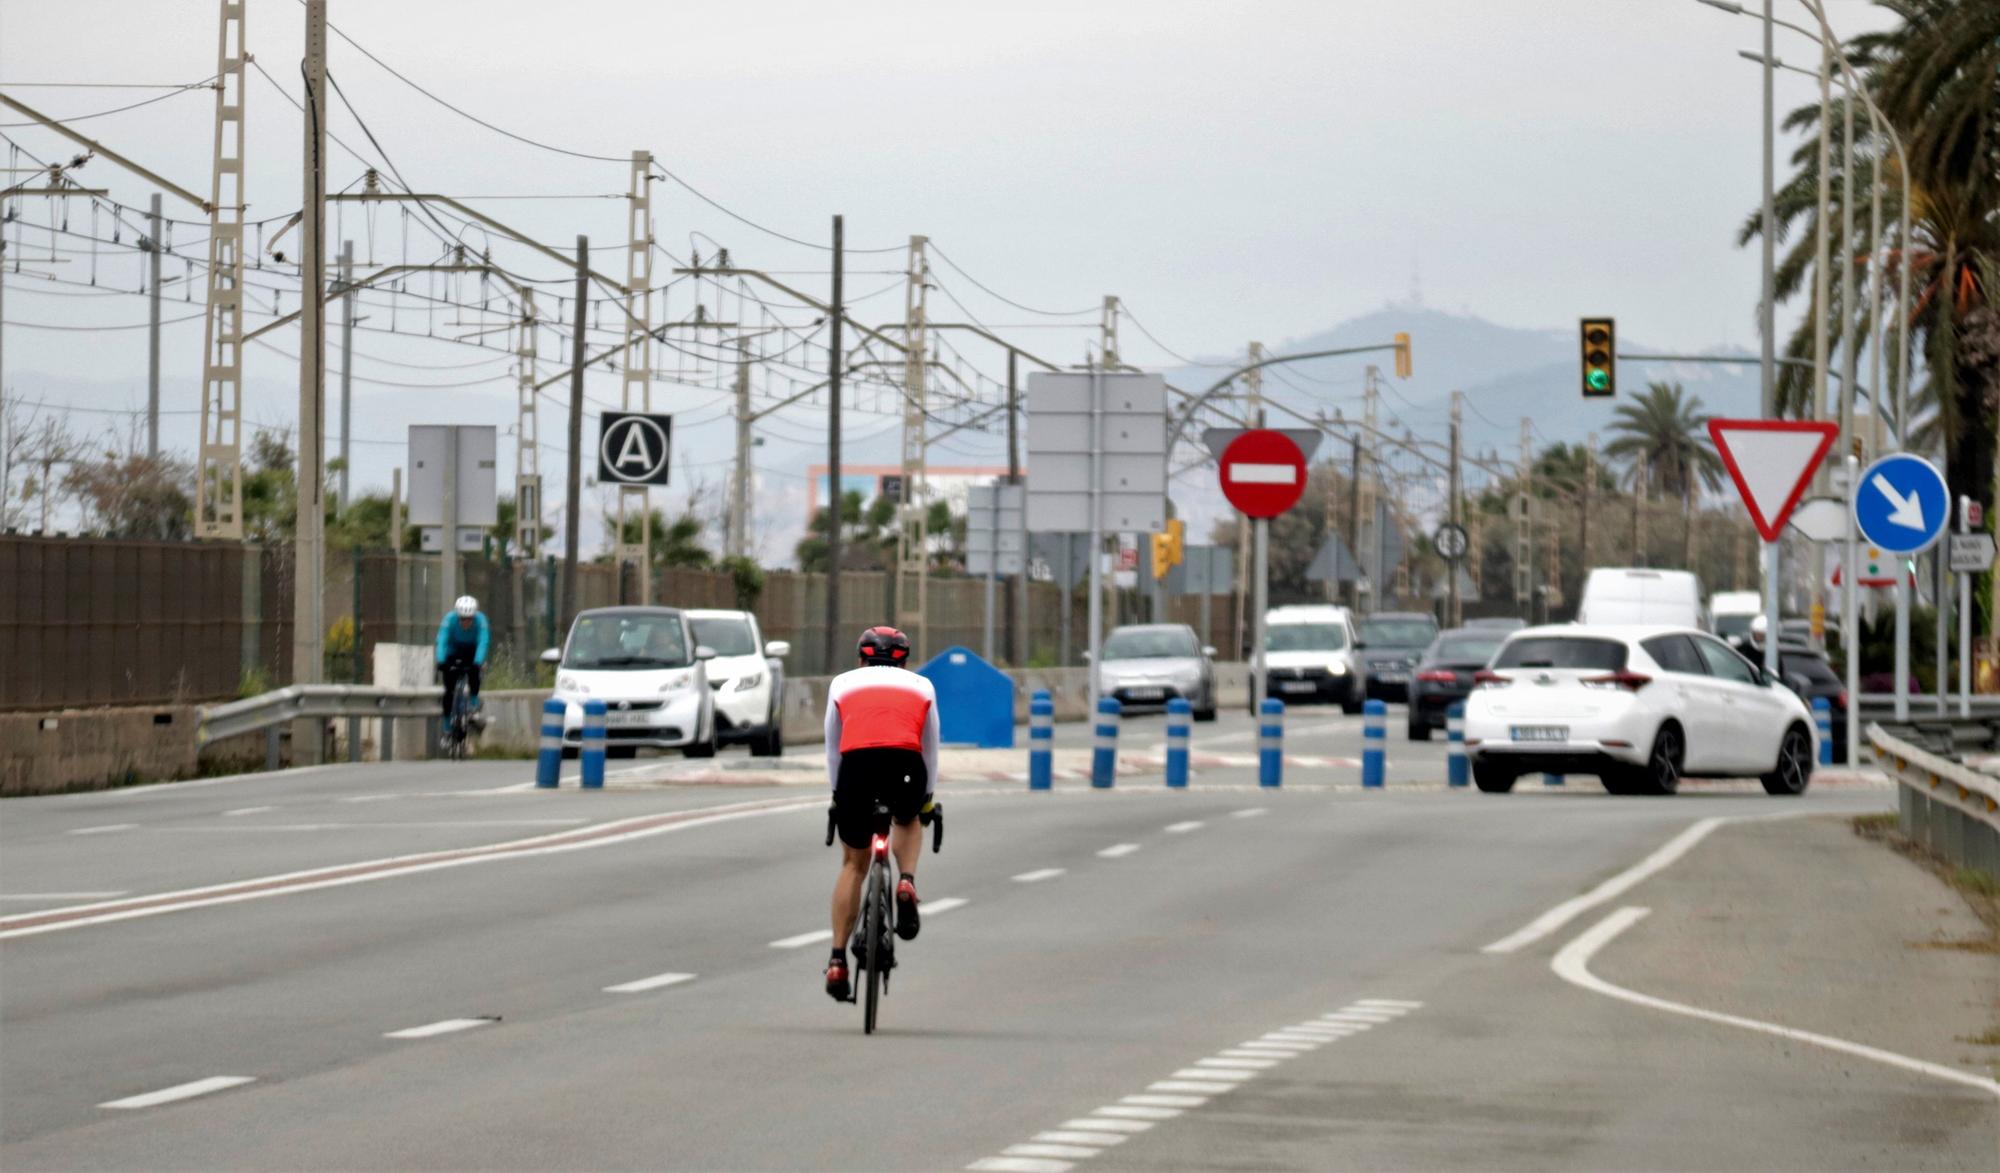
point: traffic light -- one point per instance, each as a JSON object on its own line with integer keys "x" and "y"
{"x": 1402, "y": 356}
{"x": 1600, "y": 349}
{"x": 1176, "y": 541}
{"x": 1160, "y": 562}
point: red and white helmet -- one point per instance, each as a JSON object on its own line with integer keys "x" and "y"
{"x": 884, "y": 645}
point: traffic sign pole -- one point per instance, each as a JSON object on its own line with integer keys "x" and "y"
{"x": 1850, "y": 622}
{"x": 1262, "y": 544}
{"x": 1964, "y": 619}
{"x": 1901, "y": 504}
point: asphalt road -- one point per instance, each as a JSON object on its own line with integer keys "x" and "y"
{"x": 430, "y": 967}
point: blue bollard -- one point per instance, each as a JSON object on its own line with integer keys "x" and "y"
{"x": 1104, "y": 757}
{"x": 1178, "y": 715}
{"x": 592, "y": 754}
{"x": 1041, "y": 740}
{"x": 1456, "y": 771}
{"x": 1374, "y": 741}
{"x": 1823, "y": 717}
{"x": 1271, "y": 742}
{"x": 548, "y": 763}
{"x": 1552, "y": 779}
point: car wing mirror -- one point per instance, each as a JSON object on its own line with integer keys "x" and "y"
{"x": 703, "y": 652}
{"x": 551, "y": 655}
{"x": 1208, "y": 650}
{"x": 777, "y": 647}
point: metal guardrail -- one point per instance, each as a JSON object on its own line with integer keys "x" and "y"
{"x": 273, "y": 709}
{"x": 1950, "y": 808}
{"x": 1924, "y": 704}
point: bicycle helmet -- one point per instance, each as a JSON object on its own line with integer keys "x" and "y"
{"x": 467, "y": 606}
{"x": 884, "y": 645}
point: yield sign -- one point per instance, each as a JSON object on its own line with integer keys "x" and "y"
{"x": 1263, "y": 472}
{"x": 1771, "y": 461}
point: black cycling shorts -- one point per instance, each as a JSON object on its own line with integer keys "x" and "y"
{"x": 896, "y": 777}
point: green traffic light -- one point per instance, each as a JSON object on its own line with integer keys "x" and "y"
{"x": 1598, "y": 380}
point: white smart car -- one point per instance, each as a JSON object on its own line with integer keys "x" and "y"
{"x": 1638, "y": 706}
{"x": 644, "y": 664}
{"x": 748, "y": 678}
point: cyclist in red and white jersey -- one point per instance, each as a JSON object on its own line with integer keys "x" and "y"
{"x": 881, "y": 746}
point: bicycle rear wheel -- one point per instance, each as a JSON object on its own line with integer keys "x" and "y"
{"x": 875, "y": 935}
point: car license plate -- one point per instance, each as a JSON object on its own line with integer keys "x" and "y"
{"x": 1541, "y": 733}
{"x": 1297, "y": 686}
{"x": 1146, "y": 694}
{"x": 1391, "y": 677}
{"x": 625, "y": 718}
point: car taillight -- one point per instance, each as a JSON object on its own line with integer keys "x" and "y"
{"x": 1632, "y": 680}
{"x": 1485, "y": 679}
{"x": 1439, "y": 676}
{"x": 1840, "y": 700}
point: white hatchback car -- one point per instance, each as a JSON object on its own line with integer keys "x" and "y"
{"x": 748, "y": 679}
{"x": 644, "y": 664}
{"x": 1638, "y": 706}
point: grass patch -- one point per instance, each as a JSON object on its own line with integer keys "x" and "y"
{"x": 1975, "y": 881}
{"x": 1990, "y": 1039}
{"x": 1874, "y": 826}
{"x": 1975, "y": 887}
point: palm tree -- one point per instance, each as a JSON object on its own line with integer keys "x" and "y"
{"x": 1936, "y": 77}
{"x": 1665, "y": 436}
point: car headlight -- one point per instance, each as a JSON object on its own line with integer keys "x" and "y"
{"x": 1336, "y": 667}
{"x": 675, "y": 683}
{"x": 566, "y": 683}
{"x": 746, "y": 683}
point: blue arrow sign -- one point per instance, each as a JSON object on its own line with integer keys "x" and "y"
{"x": 1901, "y": 503}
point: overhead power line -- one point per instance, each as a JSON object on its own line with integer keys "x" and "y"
{"x": 983, "y": 287}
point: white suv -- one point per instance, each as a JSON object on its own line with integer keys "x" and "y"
{"x": 748, "y": 678}
{"x": 1638, "y": 706}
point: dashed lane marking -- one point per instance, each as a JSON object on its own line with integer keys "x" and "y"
{"x": 247, "y": 810}
{"x": 182, "y": 1091}
{"x": 1248, "y": 812}
{"x": 1118, "y": 850}
{"x": 431, "y": 1029}
{"x": 1184, "y": 828}
{"x": 104, "y": 830}
{"x": 1058, "y": 1150}
{"x": 39, "y": 897}
{"x": 651, "y": 983}
{"x": 934, "y": 907}
{"x": 802, "y": 939}
{"x": 1039, "y": 874}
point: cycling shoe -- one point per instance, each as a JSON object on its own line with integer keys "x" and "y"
{"x": 837, "y": 986}
{"x": 907, "y": 921}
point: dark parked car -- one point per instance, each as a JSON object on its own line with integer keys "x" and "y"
{"x": 1806, "y": 672}
{"x": 1500, "y": 623}
{"x": 1391, "y": 642}
{"x": 1444, "y": 675}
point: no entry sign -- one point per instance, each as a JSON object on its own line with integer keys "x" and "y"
{"x": 1263, "y": 472}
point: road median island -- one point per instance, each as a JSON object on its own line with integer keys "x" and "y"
{"x": 1804, "y": 923}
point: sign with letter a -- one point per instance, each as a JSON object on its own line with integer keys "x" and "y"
{"x": 632, "y": 448}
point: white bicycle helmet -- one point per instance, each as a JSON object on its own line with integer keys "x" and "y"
{"x": 467, "y": 606}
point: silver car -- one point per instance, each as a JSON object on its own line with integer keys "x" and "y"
{"x": 1149, "y": 664}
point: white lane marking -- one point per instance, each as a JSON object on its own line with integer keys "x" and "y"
{"x": 261, "y": 827}
{"x": 1256, "y": 1051}
{"x": 106, "y": 829}
{"x": 1165, "y": 1101}
{"x": 182, "y": 1091}
{"x": 1132, "y": 1126}
{"x": 1118, "y": 849}
{"x": 1327, "y": 1029}
{"x": 1072, "y": 1136}
{"x": 1608, "y": 891}
{"x": 257, "y": 888}
{"x": 1572, "y": 964}
{"x": 1020, "y": 1165}
{"x": 802, "y": 939}
{"x": 1039, "y": 874}
{"x": 934, "y": 907}
{"x": 1136, "y": 1112}
{"x": 39, "y": 896}
{"x": 1190, "y": 1085}
{"x": 247, "y": 810}
{"x": 1388, "y": 1003}
{"x": 1248, "y": 812}
{"x": 1352, "y": 1018}
{"x": 1184, "y": 828}
{"x": 1071, "y": 1151}
{"x": 1295, "y": 1046}
{"x": 446, "y": 1027}
{"x": 651, "y": 983}
{"x": 1213, "y": 1073}
{"x": 1238, "y": 1064}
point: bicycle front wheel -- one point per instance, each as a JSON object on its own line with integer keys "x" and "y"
{"x": 875, "y": 934}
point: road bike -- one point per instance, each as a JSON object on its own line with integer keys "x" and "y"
{"x": 872, "y": 950}
{"x": 458, "y": 727}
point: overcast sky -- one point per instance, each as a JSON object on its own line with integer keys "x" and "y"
{"x": 1232, "y": 171}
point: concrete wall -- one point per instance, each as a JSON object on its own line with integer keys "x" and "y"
{"x": 94, "y": 749}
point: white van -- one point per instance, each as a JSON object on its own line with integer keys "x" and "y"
{"x": 1733, "y": 612}
{"x": 1311, "y": 656}
{"x": 1625, "y": 595}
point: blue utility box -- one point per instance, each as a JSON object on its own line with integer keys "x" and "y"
{"x": 975, "y": 700}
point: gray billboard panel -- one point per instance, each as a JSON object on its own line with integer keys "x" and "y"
{"x": 478, "y": 502}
